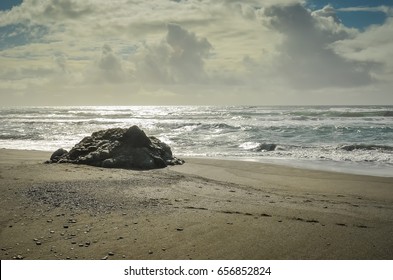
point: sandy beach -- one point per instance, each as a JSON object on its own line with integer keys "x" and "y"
{"x": 204, "y": 209}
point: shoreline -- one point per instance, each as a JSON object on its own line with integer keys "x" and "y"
{"x": 204, "y": 209}
{"x": 311, "y": 165}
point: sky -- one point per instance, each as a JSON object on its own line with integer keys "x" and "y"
{"x": 196, "y": 52}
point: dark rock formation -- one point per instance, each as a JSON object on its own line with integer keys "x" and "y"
{"x": 118, "y": 148}
{"x": 265, "y": 147}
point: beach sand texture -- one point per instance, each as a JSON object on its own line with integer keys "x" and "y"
{"x": 204, "y": 209}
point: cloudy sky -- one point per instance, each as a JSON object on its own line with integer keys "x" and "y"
{"x": 169, "y": 52}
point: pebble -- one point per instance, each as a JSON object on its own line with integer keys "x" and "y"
{"x": 111, "y": 253}
{"x": 19, "y": 257}
{"x": 80, "y": 245}
{"x": 104, "y": 258}
{"x": 180, "y": 229}
{"x": 38, "y": 243}
{"x": 65, "y": 226}
{"x": 150, "y": 252}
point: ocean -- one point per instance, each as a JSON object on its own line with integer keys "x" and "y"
{"x": 354, "y": 139}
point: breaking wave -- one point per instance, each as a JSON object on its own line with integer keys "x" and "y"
{"x": 335, "y": 134}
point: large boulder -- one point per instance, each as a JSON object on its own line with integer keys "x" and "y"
{"x": 119, "y": 148}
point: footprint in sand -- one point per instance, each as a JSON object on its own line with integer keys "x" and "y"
{"x": 341, "y": 224}
{"x": 265, "y": 215}
{"x": 311, "y": 221}
{"x": 361, "y": 226}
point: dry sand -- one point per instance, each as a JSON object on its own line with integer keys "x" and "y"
{"x": 205, "y": 209}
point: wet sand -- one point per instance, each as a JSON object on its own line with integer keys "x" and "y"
{"x": 204, "y": 209}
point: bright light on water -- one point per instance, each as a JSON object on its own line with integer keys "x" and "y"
{"x": 350, "y": 138}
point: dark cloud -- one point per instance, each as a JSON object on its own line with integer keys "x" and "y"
{"x": 306, "y": 57}
{"x": 61, "y": 61}
{"x": 153, "y": 67}
{"x": 108, "y": 68}
{"x": 179, "y": 58}
{"x": 189, "y": 52}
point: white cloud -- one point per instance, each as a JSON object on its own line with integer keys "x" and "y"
{"x": 374, "y": 45}
{"x": 382, "y": 9}
{"x": 41, "y": 12}
{"x": 252, "y": 51}
{"x": 305, "y": 57}
{"x": 328, "y": 15}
